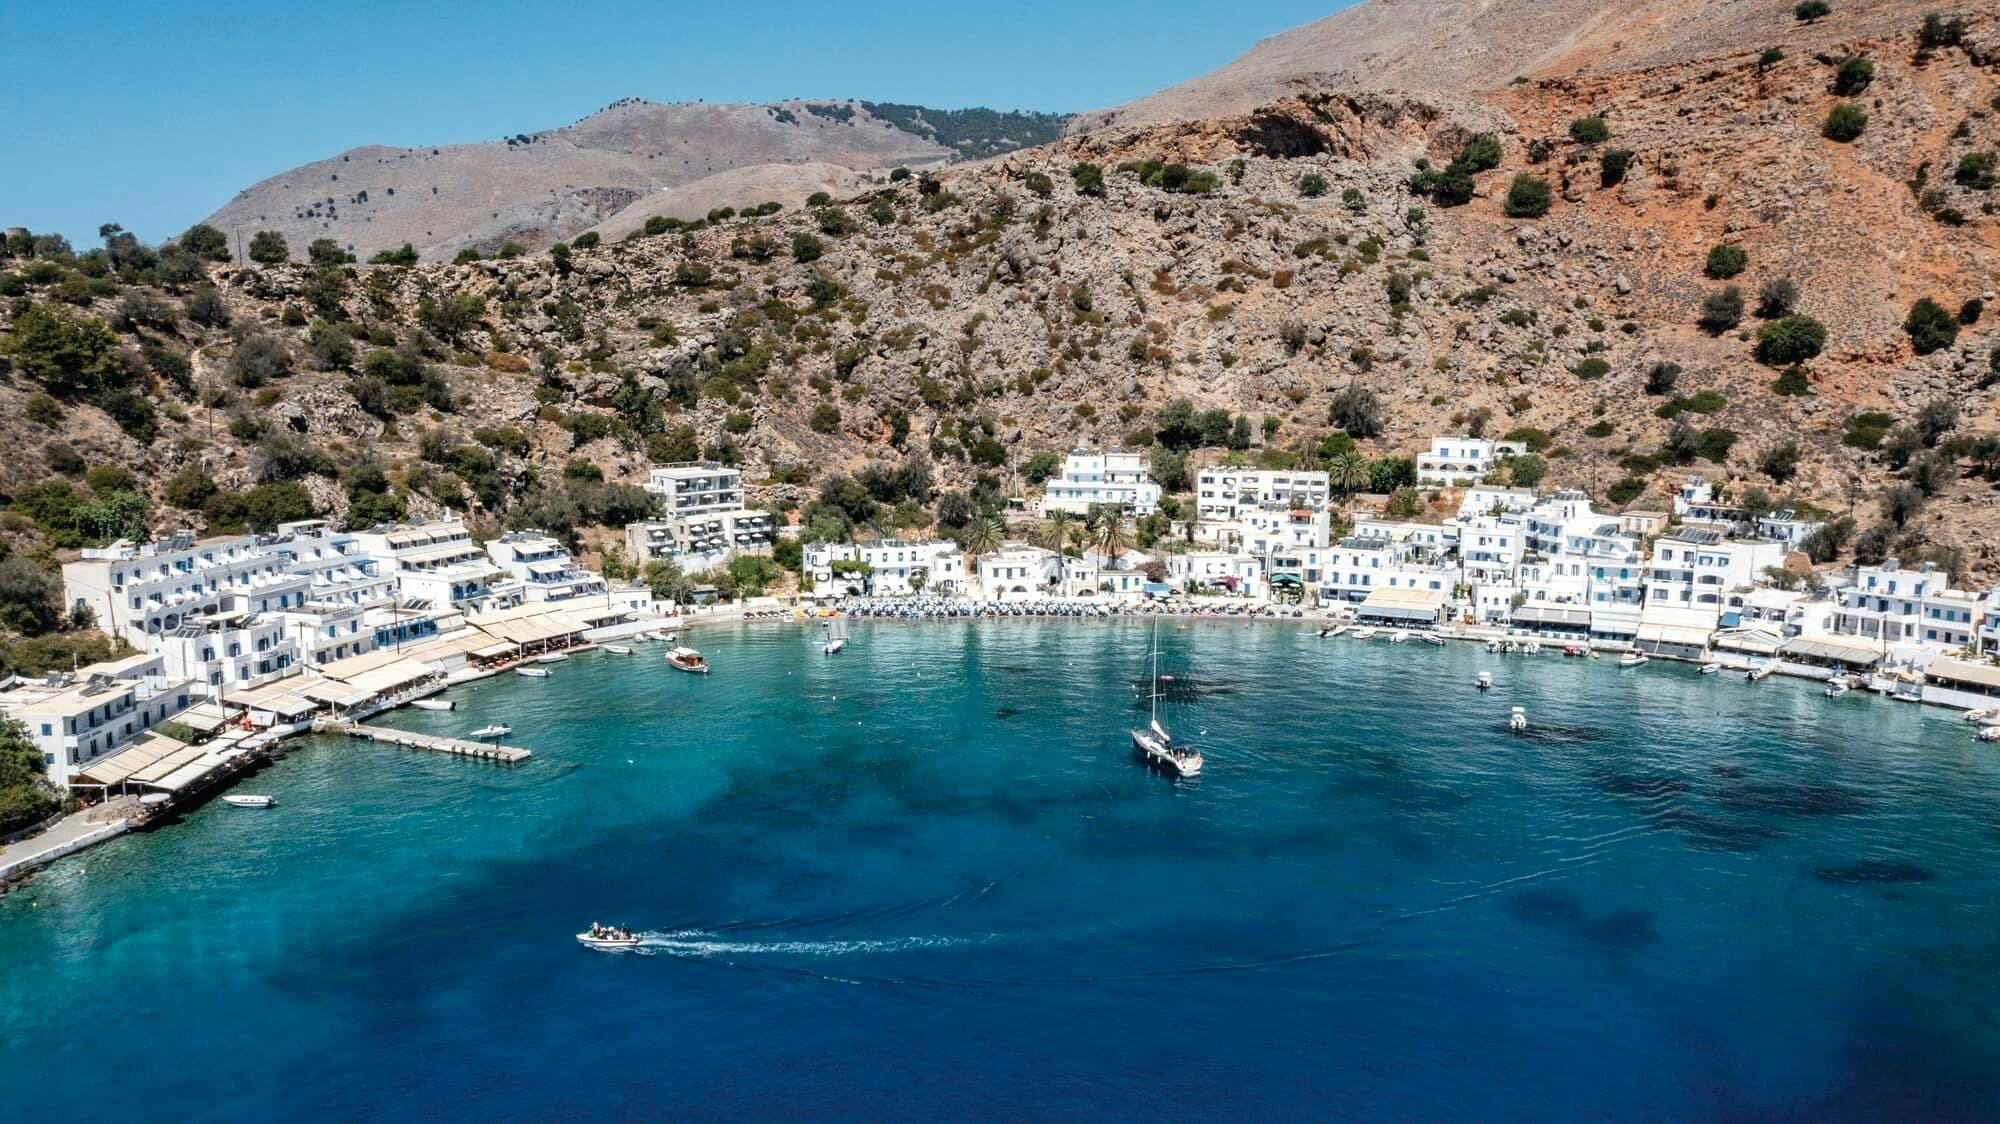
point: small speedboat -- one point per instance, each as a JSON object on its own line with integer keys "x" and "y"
{"x": 1398, "y": 636}
{"x": 1433, "y": 639}
{"x": 1759, "y": 673}
{"x": 1837, "y": 686}
{"x": 1364, "y": 633}
{"x": 492, "y": 731}
{"x": 433, "y": 704}
{"x": 1485, "y": 681}
{"x": 1517, "y": 720}
{"x": 1631, "y": 659}
{"x": 1711, "y": 668}
{"x": 608, "y": 938}
{"x": 532, "y": 672}
{"x": 618, "y": 649}
{"x": 552, "y": 657}
{"x": 1534, "y": 648}
{"x": 1989, "y": 734}
{"x": 1981, "y": 716}
{"x": 248, "y": 801}
{"x": 688, "y": 660}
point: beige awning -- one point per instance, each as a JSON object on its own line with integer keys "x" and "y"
{"x": 204, "y": 717}
{"x": 1755, "y": 641}
{"x": 1983, "y": 675}
{"x": 333, "y": 693}
{"x": 147, "y": 749}
{"x": 1404, "y": 604}
{"x": 383, "y": 680}
{"x": 1833, "y": 651}
{"x": 353, "y": 666}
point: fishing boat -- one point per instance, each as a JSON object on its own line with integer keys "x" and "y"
{"x": 1433, "y": 639}
{"x": 1485, "y": 681}
{"x": 552, "y": 657}
{"x": 1631, "y": 659}
{"x": 618, "y": 649}
{"x": 433, "y": 704}
{"x": 495, "y": 731}
{"x": 1711, "y": 668}
{"x": 1838, "y": 686}
{"x": 1399, "y": 636}
{"x": 688, "y": 660}
{"x": 1329, "y": 630}
{"x": 608, "y": 938}
{"x": 1758, "y": 673}
{"x": 532, "y": 672}
{"x": 1493, "y": 646}
{"x": 1517, "y": 720}
{"x": 1154, "y": 745}
{"x": 836, "y": 635}
{"x": 1572, "y": 650}
{"x": 1364, "y": 633}
{"x": 247, "y": 800}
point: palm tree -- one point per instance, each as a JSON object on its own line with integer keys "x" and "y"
{"x": 1348, "y": 473}
{"x": 1108, "y": 531}
{"x": 1056, "y": 531}
{"x": 982, "y": 535}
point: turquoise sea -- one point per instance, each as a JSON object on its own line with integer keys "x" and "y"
{"x": 924, "y": 879}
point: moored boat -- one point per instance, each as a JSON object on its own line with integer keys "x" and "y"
{"x": 1631, "y": 659}
{"x": 1364, "y": 633}
{"x": 433, "y": 704}
{"x": 1433, "y": 639}
{"x": 1989, "y": 734}
{"x": 1399, "y": 636}
{"x": 494, "y": 731}
{"x": 1758, "y": 673}
{"x": 552, "y": 657}
{"x": 1154, "y": 745}
{"x": 688, "y": 660}
{"x": 618, "y": 649}
{"x": 532, "y": 672}
{"x": 248, "y": 800}
{"x": 1711, "y": 668}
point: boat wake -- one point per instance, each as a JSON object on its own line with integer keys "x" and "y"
{"x": 705, "y": 944}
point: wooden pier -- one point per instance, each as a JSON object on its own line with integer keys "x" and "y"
{"x": 430, "y": 743}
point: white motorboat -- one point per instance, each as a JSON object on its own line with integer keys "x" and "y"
{"x": 1493, "y": 646}
{"x": 433, "y": 704}
{"x": 1759, "y": 673}
{"x": 552, "y": 657}
{"x": 1981, "y": 717}
{"x": 1364, "y": 633}
{"x": 1711, "y": 668}
{"x": 1398, "y": 636}
{"x": 688, "y": 660}
{"x": 1631, "y": 659}
{"x": 1154, "y": 745}
{"x": 1838, "y": 686}
{"x": 246, "y": 800}
{"x": 532, "y": 672}
{"x": 618, "y": 649}
{"x": 495, "y": 731}
{"x": 1517, "y": 720}
{"x": 1989, "y": 734}
{"x": 1433, "y": 639}
{"x": 1534, "y": 648}
{"x": 608, "y": 938}
{"x": 836, "y": 634}
{"x": 1485, "y": 681}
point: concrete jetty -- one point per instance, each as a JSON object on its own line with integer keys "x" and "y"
{"x": 430, "y": 743}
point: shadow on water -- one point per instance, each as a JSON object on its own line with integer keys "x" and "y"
{"x": 1705, "y": 832}
{"x": 1621, "y": 930}
{"x": 1865, "y": 872}
{"x": 1546, "y": 907}
{"x": 1642, "y": 787}
{"x": 1560, "y": 733}
{"x": 1801, "y": 799}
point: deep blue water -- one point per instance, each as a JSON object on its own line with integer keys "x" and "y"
{"x": 924, "y": 879}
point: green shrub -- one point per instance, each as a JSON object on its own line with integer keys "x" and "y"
{"x": 1854, "y": 75}
{"x": 1528, "y": 197}
{"x": 1790, "y": 339}
{"x": 1721, "y": 310}
{"x": 1612, "y": 166}
{"x": 1792, "y": 383}
{"x": 1661, "y": 377}
{"x": 1976, "y": 170}
{"x": 825, "y": 418}
{"x": 1625, "y": 491}
{"x": 1480, "y": 154}
{"x": 1930, "y": 327}
{"x": 42, "y": 410}
{"x": 1089, "y": 179}
{"x": 1809, "y": 10}
{"x": 1866, "y": 429}
{"x": 1592, "y": 368}
{"x": 267, "y": 247}
{"x": 1725, "y": 261}
{"x": 1312, "y": 185}
{"x": 1589, "y": 130}
{"x": 1844, "y": 123}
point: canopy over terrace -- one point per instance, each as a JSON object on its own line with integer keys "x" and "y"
{"x": 534, "y": 627}
{"x": 1412, "y": 606}
{"x": 162, "y": 763}
{"x": 1827, "y": 651}
{"x": 1666, "y": 630}
{"x": 281, "y": 700}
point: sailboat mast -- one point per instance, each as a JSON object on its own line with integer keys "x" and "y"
{"x": 1154, "y": 692}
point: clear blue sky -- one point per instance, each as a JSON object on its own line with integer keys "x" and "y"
{"x": 154, "y": 114}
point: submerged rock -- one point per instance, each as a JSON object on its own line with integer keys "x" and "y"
{"x": 1872, "y": 871}
{"x": 1622, "y": 930}
{"x": 1795, "y": 799}
{"x": 1643, "y": 788}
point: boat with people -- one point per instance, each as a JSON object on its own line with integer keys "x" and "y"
{"x": 1485, "y": 681}
{"x": 1632, "y": 659}
{"x": 493, "y": 731}
{"x": 1155, "y": 745}
{"x": 1517, "y": 719}
{"x": 618, "y": 649}
{"x": 1758, "y": 674}
{"x": 433, "y": 704}
{"x": 1533, "y": 648}
{"x": 1838, "y": 686}
{"x": 248, "y": 800}
{"x": 532, "y": 672}
{"x": 608, "y": 938}
{"x": 688, "y": 660}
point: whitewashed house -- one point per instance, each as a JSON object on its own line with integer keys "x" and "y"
{"x": 1454, "y": 462}
{"x": 1091, "y": 477}
{"x": 885, "y": 568}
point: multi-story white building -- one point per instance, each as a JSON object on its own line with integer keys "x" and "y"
{"x": 75, "y": 720}
{"x": 336, "y": 568}
{"x": 1224, "y": 495}
{"x": 1696, "y": 566}
{"x": 1091, "y": 477}
{"x": 543, "y": 566}
{"x": 885, "y": 568}
{"x": 145, "y": 591}
{"x": 1355, "y": 567}
{"x": 229, "y": 651}
{"x": 1490, "y": 548}
{"x": 1263, "y": 531}
{"x": 1454, "y": 462}
{"x": 1019, "y": 570}
{"x": 1892, "y": 606}
{"x": 696, "y": 488}
{"x": 1218, "y": 569}
{"x": 702, "y": 542}
{"x": 438, "y": 564}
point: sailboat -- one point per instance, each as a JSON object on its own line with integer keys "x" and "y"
{"x": 1154, "y": 745}
{"x": 836, "y": 634}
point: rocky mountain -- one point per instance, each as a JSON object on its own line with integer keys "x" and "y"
{"x": 537, "y": 188}
{"x": 1768, "y": 262}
